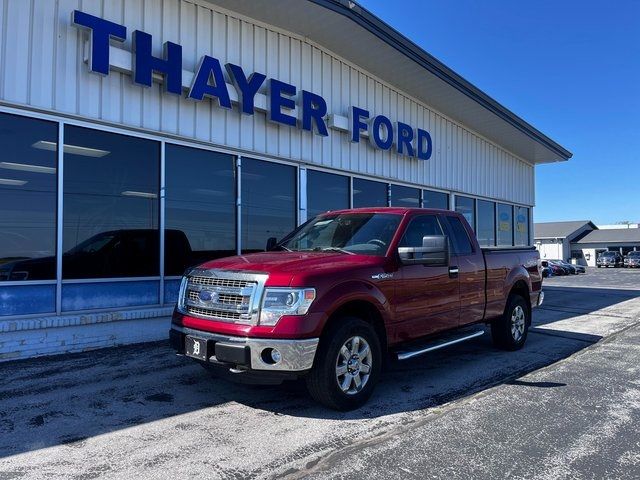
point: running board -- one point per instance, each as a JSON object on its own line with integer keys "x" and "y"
{"x": 437, "y": 344}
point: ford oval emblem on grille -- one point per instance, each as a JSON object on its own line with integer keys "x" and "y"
{"x": 206, "y": 296}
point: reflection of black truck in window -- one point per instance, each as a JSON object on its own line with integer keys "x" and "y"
{"x": 117, "y": 253}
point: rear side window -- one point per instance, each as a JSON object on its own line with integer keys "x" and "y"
{"x": 460, "y": 239}
{"x": 419, "y": 227}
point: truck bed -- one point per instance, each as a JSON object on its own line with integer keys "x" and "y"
{"x": 500, "y": 273}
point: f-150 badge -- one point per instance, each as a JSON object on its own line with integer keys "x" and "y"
{"x": 382, "y": 276}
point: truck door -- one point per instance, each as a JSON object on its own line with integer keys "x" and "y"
{"x": 427, "y": 297}
{"x": 467, "y": 258}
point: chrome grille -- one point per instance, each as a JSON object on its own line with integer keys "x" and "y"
{"x": 219, "y": 282}
{"x": 213, "y": 314}
{"x": 224, "y": 296}
{"x": 232, "y": 299}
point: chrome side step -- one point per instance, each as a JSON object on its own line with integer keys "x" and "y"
{"x": 437, "y": 344}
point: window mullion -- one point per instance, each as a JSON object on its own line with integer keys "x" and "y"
{"x": 59, "y": 216}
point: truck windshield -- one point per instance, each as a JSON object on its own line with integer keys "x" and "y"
{"x": 350, "y": 233}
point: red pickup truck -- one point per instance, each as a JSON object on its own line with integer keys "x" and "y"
{"x": 347, "y": 291}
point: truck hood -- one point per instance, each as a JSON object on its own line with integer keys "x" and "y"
{"x": 282, "y": 267}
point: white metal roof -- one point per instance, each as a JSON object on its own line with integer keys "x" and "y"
{"x": 360, "y": 37}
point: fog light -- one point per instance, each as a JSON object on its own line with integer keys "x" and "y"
{"x": 270, "y": 356}
{"x": 276, "y": 356}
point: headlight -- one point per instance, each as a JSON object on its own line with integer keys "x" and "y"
{"x": 182, "y": 294}
{"x": 278, "y": 302}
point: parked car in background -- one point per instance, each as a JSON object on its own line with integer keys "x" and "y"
{"x": 580, "y": 268}
{"x": 632, "y": 260}
{"x": 574, "y": 269}
{"x": 609, "y": 259}
{"x": 567, "y": 267}
{"x": 555, "y": 270}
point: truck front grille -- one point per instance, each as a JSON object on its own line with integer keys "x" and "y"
{"x": 224, "y": 296}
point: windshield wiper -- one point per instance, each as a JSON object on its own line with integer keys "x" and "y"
{"x": 333, "y": 249}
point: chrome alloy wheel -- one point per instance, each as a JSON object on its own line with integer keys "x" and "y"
{"x": 518, "y": 321}
{"x": 353, "y": 365}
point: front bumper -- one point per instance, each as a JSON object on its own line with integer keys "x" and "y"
{"x": 249, "y": 353}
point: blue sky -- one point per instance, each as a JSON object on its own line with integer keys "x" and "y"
{"x": 570, "y": 68}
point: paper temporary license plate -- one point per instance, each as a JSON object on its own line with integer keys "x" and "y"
{"x": 195, "y": 347}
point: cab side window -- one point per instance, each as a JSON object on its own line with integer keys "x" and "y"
{"x": 460, "y": 241}
{"x": 419, "y": 227}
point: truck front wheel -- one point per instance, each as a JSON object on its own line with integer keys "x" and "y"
{"x": 347, "y": 365}
{"x": 509, "y": 332}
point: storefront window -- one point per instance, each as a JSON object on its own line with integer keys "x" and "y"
{"x": 200, "y": 203}
{"x": 505, "y": 225}
{"x": 111, "y": 185}
{"x": 405, "y": 196}
{"x": 522, "y": 226}
{"x": 28, "y": 168}
{"x": 326, "y": 191}
{"x": 268, "y": 202}
{"x": 486, "y": 223}
{"x": 367, "y": 193}
{"x": 431, "y": 199}
{"x": 466, "y": 206}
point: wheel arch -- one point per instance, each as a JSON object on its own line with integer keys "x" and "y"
{"x": 364, "y": 310}
{"x": 521, "y": 288}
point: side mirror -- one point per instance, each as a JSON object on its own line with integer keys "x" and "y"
{"x": 271, "y": 244}
{"x": 434, "y": 252}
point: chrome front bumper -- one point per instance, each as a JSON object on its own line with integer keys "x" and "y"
{"x": 296, "y": 354}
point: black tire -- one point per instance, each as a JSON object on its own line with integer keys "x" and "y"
{"x": 322, "y": 380}
{"x": 501, "y": 329}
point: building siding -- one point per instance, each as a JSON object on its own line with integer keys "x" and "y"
{"x": 42, "y": 67}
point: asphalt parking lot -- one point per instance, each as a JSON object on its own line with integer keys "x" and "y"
{"x": 566, "y": 406}
{"x": 615, "y": 278}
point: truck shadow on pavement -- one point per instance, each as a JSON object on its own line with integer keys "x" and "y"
{"x": 66, "y": 400}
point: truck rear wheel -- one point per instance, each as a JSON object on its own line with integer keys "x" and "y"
{"x": 509, "y": 332}
{"x": 347, "y": 365}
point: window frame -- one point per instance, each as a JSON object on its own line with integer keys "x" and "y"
{"x": 474, "y": 209}
{"x": 56, "y": 186}
{"x": 310, "y": 171}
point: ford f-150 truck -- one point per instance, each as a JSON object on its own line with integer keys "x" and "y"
{"x": 348, "y": 290}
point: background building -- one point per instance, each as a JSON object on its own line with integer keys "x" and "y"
{"x": 598, "y": 241}
{"x": 228, "y": 122}
{"x": 554, "y": 239}
{"x": 582, "y": 240}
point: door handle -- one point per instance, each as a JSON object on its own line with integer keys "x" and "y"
{"x": 453, "y": 272}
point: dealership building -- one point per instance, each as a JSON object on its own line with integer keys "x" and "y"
{"x": 140, "y": 137}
